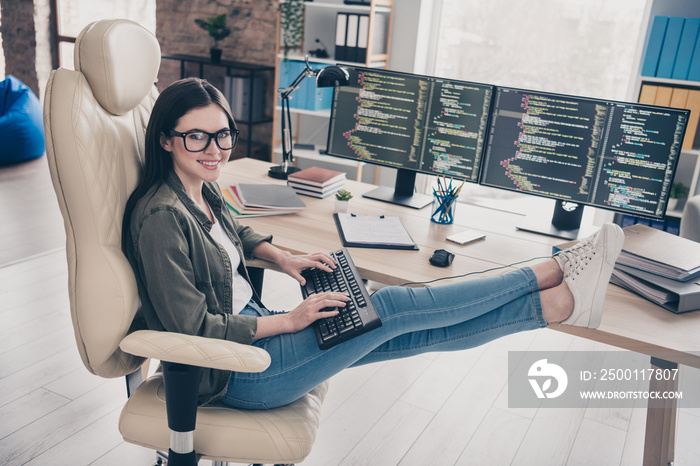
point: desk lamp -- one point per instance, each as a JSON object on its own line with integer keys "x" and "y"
{"x": 331, "y": 76}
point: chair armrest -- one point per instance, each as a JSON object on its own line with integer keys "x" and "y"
{"x": 196, "y": 351}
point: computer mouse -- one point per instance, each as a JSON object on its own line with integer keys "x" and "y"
{"x": 441, "y": 258}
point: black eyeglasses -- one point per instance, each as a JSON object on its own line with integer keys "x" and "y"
{"x": 197, "y": 141}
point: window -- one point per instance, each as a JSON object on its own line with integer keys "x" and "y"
{"x": 586, "y": 48}
{"x": 71, "y": 16}
{"x": 581, "y": 47}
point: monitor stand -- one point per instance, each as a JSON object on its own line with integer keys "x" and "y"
{"x": 565, "y": 224}
{"x": 403, "y": 192}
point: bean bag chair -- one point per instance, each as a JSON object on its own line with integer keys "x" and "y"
{"x": 21, "y": 125}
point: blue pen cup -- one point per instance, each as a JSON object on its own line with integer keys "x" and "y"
{"x": 443, "y": 209}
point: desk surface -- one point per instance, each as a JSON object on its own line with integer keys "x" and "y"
{"x": 629, "y": 321}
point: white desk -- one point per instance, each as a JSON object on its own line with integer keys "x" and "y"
{"x": 629, "y": 322}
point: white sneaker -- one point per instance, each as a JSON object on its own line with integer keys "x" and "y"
{"x": 587, "y": 268}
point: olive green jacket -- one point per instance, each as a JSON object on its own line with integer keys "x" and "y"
{"x": 184, "y": 277}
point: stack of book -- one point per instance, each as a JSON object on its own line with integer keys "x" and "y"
{"x": 316, "y": 182}
{"x": 661, "y": 267}
{"x": 258, "y": 200}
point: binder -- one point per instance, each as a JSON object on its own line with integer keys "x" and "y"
{"x": 693, "y": 104}
{"x": 362, "y": 38}
{"x": 351, "y": 39}
{"x": 671, "y": 294}
{"x": 660, "y": 253}
{"x": 237, "y": 90}
{"x": 694, "y": 71}
{"x": 656, "y": 40}
{"x": 667, "y": 95}
{"x": 667, "y": 59}
{"x": 341, "y": 28}
{"x": 380, "y": 34}
{"x": 686, "y": 48}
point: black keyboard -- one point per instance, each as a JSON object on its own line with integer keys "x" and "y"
{"x": 357, "y": 317}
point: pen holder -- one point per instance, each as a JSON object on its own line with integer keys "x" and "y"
{"x": 443, "y": 209}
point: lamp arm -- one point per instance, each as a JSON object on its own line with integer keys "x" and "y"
{"x": 332, "y": 76}
{"x": 307, "y": 72}
{"x": 286, "y": 126}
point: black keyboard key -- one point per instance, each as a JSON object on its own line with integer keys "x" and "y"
{"x": 356, "y": 317}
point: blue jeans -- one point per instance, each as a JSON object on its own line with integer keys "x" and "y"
{"x": 414, "y": 321}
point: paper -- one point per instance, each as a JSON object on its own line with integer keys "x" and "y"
{"x": 377, "y": 231}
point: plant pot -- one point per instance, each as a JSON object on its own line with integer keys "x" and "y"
{"x": 672, "y": 204}
{"x": 342, "y": 206}
{"x": 215, "y": 55}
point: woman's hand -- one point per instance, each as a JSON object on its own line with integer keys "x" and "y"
{"x": 306, "y": 313}
{"x": 293, "y": 265}
{"x": 311, "y": 309}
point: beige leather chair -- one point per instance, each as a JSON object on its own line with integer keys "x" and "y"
{"x": 95, "y": 120}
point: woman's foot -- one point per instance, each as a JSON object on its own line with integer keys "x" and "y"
{"x": 587, "y": 268}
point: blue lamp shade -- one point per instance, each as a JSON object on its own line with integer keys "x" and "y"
{"x": 21, "y": 125}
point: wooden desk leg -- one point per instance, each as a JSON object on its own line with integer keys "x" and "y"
{"x": 659, "y": 440}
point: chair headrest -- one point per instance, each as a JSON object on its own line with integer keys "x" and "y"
{"x": 120, "y": 60}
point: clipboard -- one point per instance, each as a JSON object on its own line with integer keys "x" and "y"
{"x": 366, "y": 231}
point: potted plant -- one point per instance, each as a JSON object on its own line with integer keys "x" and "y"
{"x": 291, "y": 24}
{"x": 216, "y": 27}
{"x": 678, "y": 192}
{"x": 342, "y": 200}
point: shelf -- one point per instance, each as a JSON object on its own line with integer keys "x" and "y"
{"x": 343, "y": 6}
{"x": 182, "y": 58}
{"x": 326, "y": 113}
{"x": 318, "y": 156}
{"x": 330, "y": 61}
{"x": 256, "y": 122}
{"x": 674, "y": 82}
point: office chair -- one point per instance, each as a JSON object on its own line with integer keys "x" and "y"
{"x": 95, "y": 120}
{"x": 690, "y": 221}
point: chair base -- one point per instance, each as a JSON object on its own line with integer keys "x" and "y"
{"x": 162, "y": 459}
{"x": 275, "y": 436}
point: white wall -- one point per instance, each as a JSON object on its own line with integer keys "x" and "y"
{"x": 413, "y": 39}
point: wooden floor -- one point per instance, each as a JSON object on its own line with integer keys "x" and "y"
{"x": 434, "y": 409}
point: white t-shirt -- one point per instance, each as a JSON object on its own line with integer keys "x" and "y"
{"x": 242, "y": 291}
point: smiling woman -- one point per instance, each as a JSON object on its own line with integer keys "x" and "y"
{"x": 189, "y": 258}
{"x": 195, "y": 159}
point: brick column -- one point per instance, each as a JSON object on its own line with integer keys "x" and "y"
{"x": 19, "y": 41}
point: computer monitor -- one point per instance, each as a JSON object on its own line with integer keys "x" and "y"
{"x": 417, "y": 124}
{"x": 615, "y": 155}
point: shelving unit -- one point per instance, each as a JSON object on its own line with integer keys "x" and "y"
{"x": 672, "y": 92}
{"x": 319, "y": 34}
{"x": 320, "y": 23}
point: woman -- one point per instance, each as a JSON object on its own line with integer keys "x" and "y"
{"x": 189, "y": 255}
